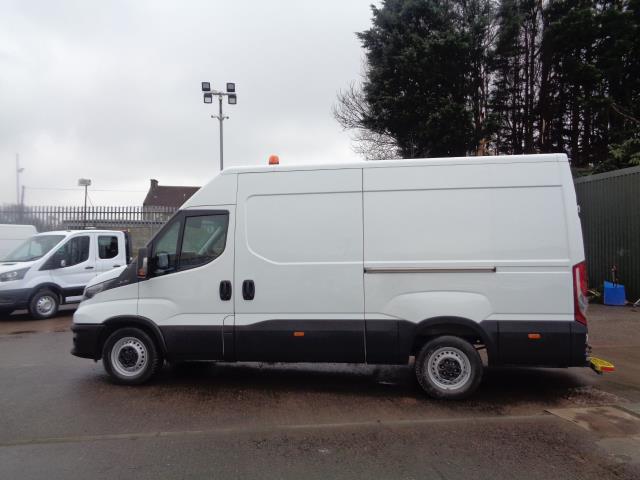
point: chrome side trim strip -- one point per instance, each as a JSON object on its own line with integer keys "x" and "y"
{"x": 429, "y": 270}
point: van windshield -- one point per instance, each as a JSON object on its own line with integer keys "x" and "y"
{"x": 33, "y": 248}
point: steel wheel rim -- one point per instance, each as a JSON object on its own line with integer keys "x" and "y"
{"x": 449, "y": 368}
{"x": 45, "y": 305}
{"x": 129, "y": 357}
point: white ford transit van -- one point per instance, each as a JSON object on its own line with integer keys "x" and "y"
{"x": 368, "y": 262}
{"x": 52, "y": 268}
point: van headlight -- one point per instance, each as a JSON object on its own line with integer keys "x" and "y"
{"x": 93, "y": 290}
{"x": 13, "y": 275}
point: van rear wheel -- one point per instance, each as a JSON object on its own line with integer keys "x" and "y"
{"x": 448, "y": 367}
{"x": 44, "y": 304}
{"x": 130, "y": 356}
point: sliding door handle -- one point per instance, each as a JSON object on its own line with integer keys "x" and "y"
{"x": 248, "y": 290}
{"x": 225, "y": 290}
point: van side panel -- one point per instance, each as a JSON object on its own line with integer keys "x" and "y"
{"x": 299, "y": 241}
{"x": 487, "y": 242}
{"x": 221, "y": 190}
{"x": 574, "y": 227}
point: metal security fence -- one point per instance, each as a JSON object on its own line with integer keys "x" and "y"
{"x": 610, "y": 213}
{"x": 141, "y": 222}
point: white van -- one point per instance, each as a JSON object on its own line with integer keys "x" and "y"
{"x": 53, "y": 268}
{"x": 13, "y": 235}
{"x": 370, "y": 262}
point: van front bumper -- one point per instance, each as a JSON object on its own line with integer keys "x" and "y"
{"x": 14, "y": 299}
{"x": 86, "y": 340}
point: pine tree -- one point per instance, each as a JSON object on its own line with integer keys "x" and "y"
{"x": 456, "y": 77}
{"x": 516, "y": 76}
{"x": 417, "y": 81}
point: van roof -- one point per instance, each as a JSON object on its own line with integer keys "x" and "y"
{"x": 495, "y": 159}
{"x": 69, "y": 232}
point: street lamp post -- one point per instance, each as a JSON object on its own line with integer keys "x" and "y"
{"x": 19, "y": 170}
{"x": 19, "y": 200}
{"x": 232, "y": 99}
{"x": 84, "y": 182}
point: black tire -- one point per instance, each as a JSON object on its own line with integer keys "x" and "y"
{"x": 44, "y": 304}
{"x": 456, "y": 368}
{"x": 5, "y": 312}
{"x": 138, "y": 359}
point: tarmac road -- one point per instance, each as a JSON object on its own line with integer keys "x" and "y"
{"x": 61, "y": 418}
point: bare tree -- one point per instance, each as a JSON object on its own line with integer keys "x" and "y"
{"x": 352, "y": 112}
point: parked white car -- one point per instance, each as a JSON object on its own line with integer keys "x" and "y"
{"x": 13, "y": 235}
{"x": 52, "y": 268}
{"x": 370, "y": 262}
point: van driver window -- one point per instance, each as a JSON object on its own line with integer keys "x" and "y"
{"x": 73, "y": 252}
{"x": 204, "y": 239}
{"x": 166, "y": 249}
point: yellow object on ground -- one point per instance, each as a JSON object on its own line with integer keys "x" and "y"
{"x": 599, "y": 365}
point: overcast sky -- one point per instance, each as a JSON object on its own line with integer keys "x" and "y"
{"x": 111, "y": 90}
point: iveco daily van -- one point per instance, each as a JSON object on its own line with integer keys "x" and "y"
{"x": 371, "y": 262}
{"x": 52, "y": 268}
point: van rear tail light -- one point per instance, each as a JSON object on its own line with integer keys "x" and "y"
{"x": 580, "y": 301}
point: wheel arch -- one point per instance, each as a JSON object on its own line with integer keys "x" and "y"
{"x": 476, "y": 333}
{"x": 55, "y": 288}
{"x": 115, "y": 323}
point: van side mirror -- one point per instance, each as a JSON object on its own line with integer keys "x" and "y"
{"x": 143, "y": 261}
{"x": 162, "y": 260}
{"x": 56, "y": 261}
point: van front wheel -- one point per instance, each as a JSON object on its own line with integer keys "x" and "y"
{"x": 130, "y": 356}
{"x": 44, "y": 304}
{"x": 448, "y": 367}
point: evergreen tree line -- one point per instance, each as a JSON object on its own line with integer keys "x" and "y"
{"x": 475, "y": 77}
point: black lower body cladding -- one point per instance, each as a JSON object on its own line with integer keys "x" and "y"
{"x": 193, "y": 342}
{"x": 525, "y": 343}
{"x": 86, "y": 340}
{"x": 14, "y": 299}
{"x": 341, "y": 341}
{"x": 542, "y": 343}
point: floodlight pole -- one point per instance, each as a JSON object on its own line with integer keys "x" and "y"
{"x": 84, "y": 221}
{"x": 84, "y": 182}
{"x": 221, "y": 118}
{"x": 19, "y": 170}
{"x": 208, "y": 98}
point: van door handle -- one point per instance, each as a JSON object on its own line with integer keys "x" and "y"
{"x": 116, "y": 266}
{"x": 88, "y": 268}
{"x": 248, "y": 290}
{"x": 225, "y": 290}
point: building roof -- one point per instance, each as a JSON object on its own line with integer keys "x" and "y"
{"x": 167, "y": 195}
